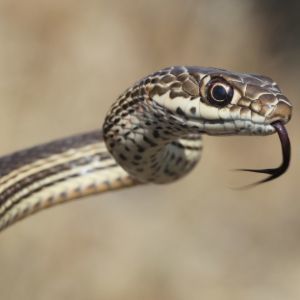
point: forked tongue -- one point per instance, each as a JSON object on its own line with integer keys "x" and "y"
{"x": 286, "y": 156}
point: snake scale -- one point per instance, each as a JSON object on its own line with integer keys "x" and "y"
{"x": 152, "y": 133}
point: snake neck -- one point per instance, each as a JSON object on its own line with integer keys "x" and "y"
{"x": 150, "y": 144}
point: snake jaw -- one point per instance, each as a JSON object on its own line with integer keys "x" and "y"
{"x": 286, "y": 156}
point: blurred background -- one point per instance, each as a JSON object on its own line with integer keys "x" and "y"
{"x": 62, "y": 64}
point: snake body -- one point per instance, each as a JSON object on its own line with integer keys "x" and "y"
{"x": 152, "y": 133}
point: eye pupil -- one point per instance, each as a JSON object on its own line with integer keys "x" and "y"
{"x": 219, "y": 93}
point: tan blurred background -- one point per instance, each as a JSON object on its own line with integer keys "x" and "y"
{"x": 62, "y": 63}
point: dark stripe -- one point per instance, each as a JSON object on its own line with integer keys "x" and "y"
{"x": 27, "y": 181}
{"x": 181, "y": 146}
{"x": 193, "y": 138}
{"x": 10, "y": 178}
{"x": 18, "y": 159}
{"x": 42, "y": 187}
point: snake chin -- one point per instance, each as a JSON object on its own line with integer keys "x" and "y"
{"x": 257, "y": 129}
{"x": 238, "y": 127}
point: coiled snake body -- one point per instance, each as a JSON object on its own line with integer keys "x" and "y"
{"x": 152, "y": 133}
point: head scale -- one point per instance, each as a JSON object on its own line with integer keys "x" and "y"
{"x": 219, "y": 102}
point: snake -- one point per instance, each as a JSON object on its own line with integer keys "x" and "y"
{"x": 152, "y": 133}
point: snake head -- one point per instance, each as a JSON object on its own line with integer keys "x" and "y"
{"x": 244, "y": 104}
{"x": 264, "y": 110}
{"x": 219, "y": 102}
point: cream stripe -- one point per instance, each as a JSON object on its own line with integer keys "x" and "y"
{"x": 90, "y": 183}
{"x": 62, "y": 155}
{"x": 49, "y": 162}
{"x": 36, "y": 184}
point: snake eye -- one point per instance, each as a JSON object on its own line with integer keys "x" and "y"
{"x": 219, "y": 93}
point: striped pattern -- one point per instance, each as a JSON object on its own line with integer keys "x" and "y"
{"x": 73, "y": 168}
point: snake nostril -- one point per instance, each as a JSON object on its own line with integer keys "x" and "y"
{"x": 282, "y": 111}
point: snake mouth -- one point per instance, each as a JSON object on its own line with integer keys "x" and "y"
{"x": 286, "y": 156}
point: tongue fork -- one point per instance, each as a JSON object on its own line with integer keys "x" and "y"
{"x": 286, "y": 156}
